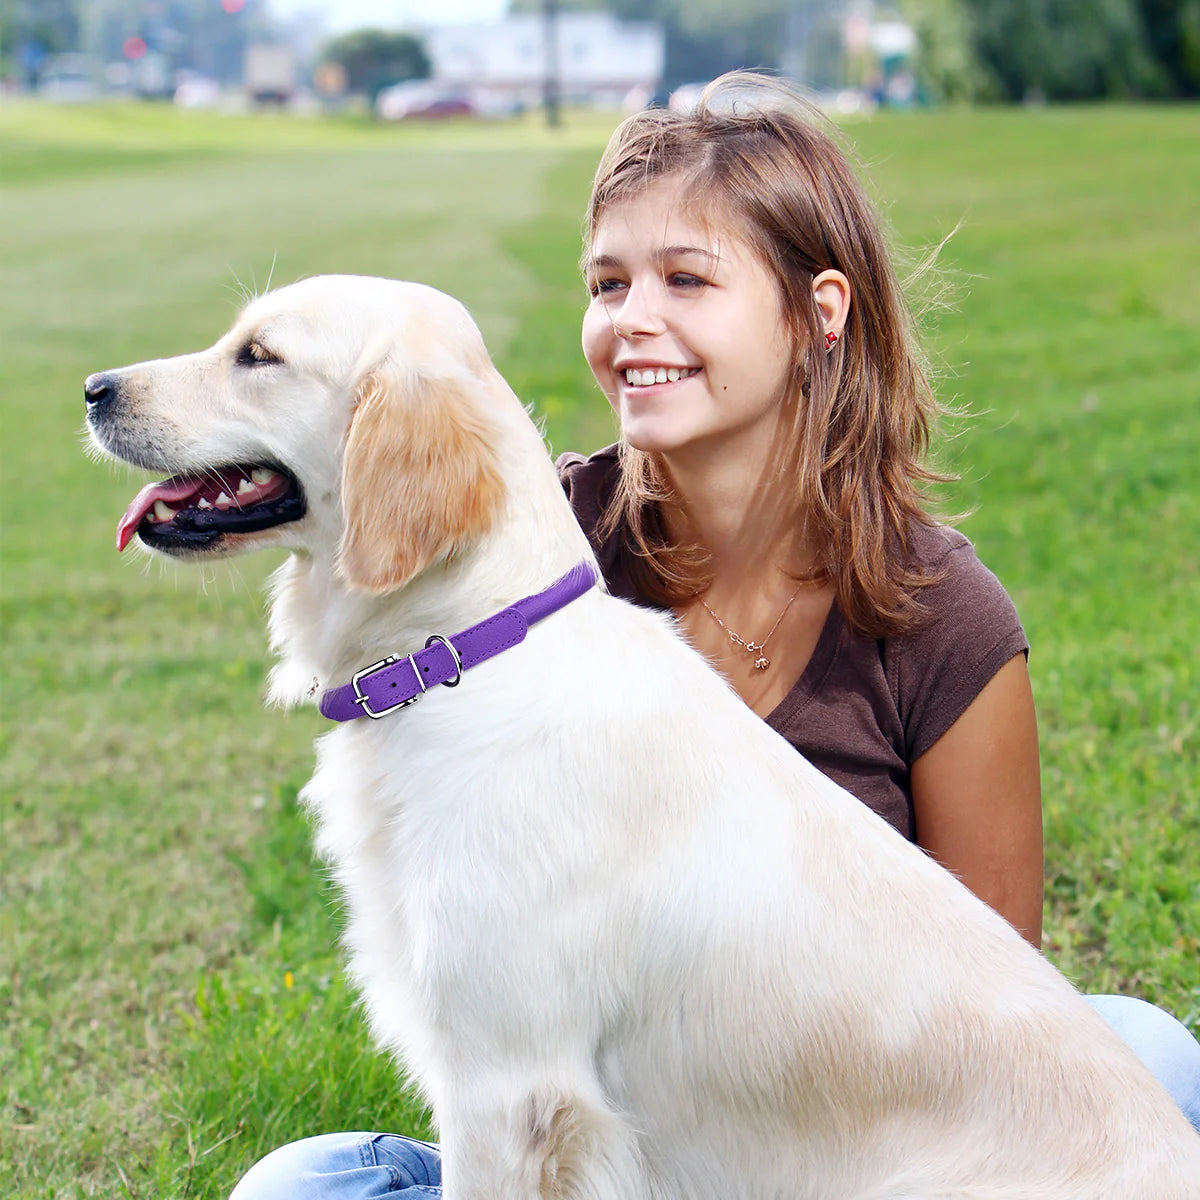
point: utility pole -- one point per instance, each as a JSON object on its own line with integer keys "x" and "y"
{"x": 550, "y": 85}
{"x": 797, "y": 36}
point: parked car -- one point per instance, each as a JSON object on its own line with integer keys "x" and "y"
{"x": 418, "y": 99}
{"x": 69, "y": 78}
{"x": 198, "y": 91}
{"x": 443, "y": 106}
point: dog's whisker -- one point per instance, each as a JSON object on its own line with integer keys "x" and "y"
{"x": 243, "y": 293}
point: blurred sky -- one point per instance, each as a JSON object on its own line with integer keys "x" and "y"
{"x": 337, "y": 15}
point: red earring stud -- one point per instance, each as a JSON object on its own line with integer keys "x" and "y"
{"x": 830, "y": 338}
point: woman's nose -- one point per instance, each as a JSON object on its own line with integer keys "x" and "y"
{"x": 638, "y": 314}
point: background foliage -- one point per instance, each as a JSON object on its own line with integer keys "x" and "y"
{"x": 1085, "y": 49}
{"x": 377, "y": 58}
{"x": 169, "y": 985}
{"x": 995, "y": 50}
{"x": 1012, "y": 51}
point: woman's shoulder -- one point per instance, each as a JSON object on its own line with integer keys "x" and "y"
{"x": 580, "y": 470}
{"x": 934, "y": 547}
{"x": 588, "y": 482}
{"x": 957, "y": 577}
{"x": 970, "y": 629}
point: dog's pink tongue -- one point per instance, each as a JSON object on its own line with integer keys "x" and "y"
{"x": 178, "y": 487}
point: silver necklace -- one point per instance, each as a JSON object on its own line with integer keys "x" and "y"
{"x": 761, "y": 661}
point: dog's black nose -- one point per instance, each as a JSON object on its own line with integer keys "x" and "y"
{"x": 99, "y": 390}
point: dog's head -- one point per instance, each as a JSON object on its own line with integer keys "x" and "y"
{"x": 353, "y": 417}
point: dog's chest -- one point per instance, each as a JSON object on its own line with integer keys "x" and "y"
{"x": 442, "y": 868}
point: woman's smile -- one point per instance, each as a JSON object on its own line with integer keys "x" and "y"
{"x": 683, "y": 330}
{"x": 651, "y": 378}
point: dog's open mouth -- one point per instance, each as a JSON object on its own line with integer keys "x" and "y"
{"x": 192, "y": 512}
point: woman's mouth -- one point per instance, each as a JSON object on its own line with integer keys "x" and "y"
{"x": 648, "y": 376}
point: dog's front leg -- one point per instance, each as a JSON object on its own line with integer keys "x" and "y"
{"x": 540, "y": 1142}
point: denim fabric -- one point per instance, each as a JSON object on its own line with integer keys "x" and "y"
{"x": 345, "y": 1166}
{"x": 362, "y": 1166}
{"x": 1164, "y": 1044}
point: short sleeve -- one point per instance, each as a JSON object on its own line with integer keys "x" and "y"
{"x": 565, "y": 464}
{"x": 972, "y": 630}
{"x": 588, "y": 484}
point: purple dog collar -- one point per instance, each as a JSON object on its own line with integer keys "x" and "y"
{"x": 398, "y": 681}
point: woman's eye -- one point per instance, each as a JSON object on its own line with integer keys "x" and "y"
{"x": 605, "y": 287}
{"x": 681, "y": 279}
{"x": 252, "y": 354}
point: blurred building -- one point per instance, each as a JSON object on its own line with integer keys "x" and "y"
{"x": 597, "y": 58}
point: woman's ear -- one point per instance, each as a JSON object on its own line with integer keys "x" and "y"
{"x": 831, "y": 291}
{"x": 420, "y": 476}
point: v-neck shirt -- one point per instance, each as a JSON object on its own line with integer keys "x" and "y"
{"x": 863, "y": 709}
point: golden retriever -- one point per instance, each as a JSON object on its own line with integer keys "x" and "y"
{"x": 627, "y": 941}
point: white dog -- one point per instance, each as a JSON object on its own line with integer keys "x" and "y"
{"x": 627, "y": 941}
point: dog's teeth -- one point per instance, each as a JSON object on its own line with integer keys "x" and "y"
{"x": 163, "y": 511}
{"x": 262, "y": 476}
{"x": 202, "y": 503}
{"x": 223, "y": 501}
{"x": 245, "y": 486}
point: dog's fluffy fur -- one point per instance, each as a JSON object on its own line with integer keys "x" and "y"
{"x": 630, "y": 944}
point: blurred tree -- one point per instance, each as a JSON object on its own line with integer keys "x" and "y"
{"x": 1173, "y": 36}
{"x": 31, "y": 30}
{"x": 945, "y": 65}
{"x": 375, "y": 58}
{"x": 1062, "y": 49}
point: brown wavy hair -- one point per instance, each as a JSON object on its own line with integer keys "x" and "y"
{"x": 755, "y": 157}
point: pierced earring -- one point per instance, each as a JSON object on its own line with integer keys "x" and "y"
{"x": 830, "y": 338}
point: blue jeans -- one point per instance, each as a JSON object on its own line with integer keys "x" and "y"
{"x": 345, "y": 1166}
{"x": 361, "y": 1166}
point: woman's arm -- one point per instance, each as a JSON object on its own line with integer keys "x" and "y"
{"x": 977, "y": 797}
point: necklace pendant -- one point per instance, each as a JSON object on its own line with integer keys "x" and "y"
{"x": 761, "y": 663}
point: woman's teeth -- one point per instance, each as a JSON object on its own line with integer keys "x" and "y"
{"x": 636, "y": 377}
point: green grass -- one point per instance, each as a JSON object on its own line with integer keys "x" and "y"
{"x": 170, "y": 987}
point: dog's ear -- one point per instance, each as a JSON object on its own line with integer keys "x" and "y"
{"x": 420, "y": 476}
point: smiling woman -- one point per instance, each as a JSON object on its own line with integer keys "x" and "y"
{"x": 678, "y": 317}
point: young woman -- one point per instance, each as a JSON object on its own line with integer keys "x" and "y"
{"x": 747, "y": 327}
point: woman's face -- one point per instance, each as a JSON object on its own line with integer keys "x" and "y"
{"x": 685, "y": 331}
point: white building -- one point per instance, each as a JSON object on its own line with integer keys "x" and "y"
{"x": 599, "y": 59}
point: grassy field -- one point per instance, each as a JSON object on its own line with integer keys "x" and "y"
{"x": 169, "y": 984}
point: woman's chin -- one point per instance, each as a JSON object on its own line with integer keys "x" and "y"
{"x": 653, "y": 436}
{"x": 652, "y": 441}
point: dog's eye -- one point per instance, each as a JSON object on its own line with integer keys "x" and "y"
{"x": 252, "y": 354}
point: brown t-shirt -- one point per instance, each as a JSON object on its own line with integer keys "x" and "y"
{"x": 864, "y": 709}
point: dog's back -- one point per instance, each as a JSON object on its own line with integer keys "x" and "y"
{"x": 760, "y": 981}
